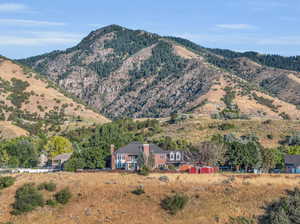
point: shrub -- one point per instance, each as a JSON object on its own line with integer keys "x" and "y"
{"x": 267, "y": 121}
{"x": 174, "y": 203}
{"x": 63, "y": 196}
{"x": 285, "y": 116}
{"x": 27, "y": 198}
{"x": 225, "y": 126}
{"x": 145, "y": 171}
{"x": 51, "y": 203}
{"x": 240, "y": 220}
{"x": 140, "y": 190}
{"x": 6, "y": 182}
{"x": 48, "y": 186}
{"x": 172, "y": 167}
{"x": 284, "y": 211}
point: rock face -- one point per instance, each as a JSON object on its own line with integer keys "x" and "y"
{"x": 133, "y": 73}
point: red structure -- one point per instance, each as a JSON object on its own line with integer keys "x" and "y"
{"x": 204, "y": 169}
{"x": 193, "y": 170}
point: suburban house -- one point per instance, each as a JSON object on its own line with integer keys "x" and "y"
{"x": 292, "y": 163}
{"x": 129, "y": 156}
{"x": 59, "y": 160}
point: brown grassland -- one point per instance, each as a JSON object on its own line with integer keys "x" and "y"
{"x": 107, "y": 197}
{"x": 201, "y": 128}
{"x": 8, "y": 130}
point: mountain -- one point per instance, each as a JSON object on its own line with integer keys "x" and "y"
{"x": 29, "y": 103}
{"x": 133, "y": 73}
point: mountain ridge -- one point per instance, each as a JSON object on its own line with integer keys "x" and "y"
{"x": 133, "y": 73}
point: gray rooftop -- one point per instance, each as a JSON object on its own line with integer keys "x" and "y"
{"x": 136, "y": 148}
{"x": 292, "y": 159}
{"x": 62, "y": 157}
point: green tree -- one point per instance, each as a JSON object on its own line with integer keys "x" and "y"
{"x": 272, "y": 158}
{"x": 293, "y": 150}
{"x": 57, "y": 145}
{"x": 20, "y": 152}
{"x": 4, "y": 158}
{"x": 86, "y": 158}
{"x": 247, "y": 155}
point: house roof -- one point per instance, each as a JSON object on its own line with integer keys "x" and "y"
{"x": 63, "y": 157}
{"x": 135, "y": 148}
{"x": 292, "y": 159}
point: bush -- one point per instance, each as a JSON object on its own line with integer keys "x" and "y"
{"x": 63, "y": 196}
{"x": 174, "y": 203}
{"x": 51, "y": 203}
{"x": 240, "y": 220}
{"x": 6, "y": 182}
{"x": 145, "y": 171}
{"x": 226, "y": 126}
{"x": 48, "y": 186}
{"x": 285, "y": 116}
{"x": 27, "y": 198}
{"x": 284, "y": 211}
{"x": 267, "y": 121}
{"x": 172, "y": 167}
{"x": 140, "y": 190}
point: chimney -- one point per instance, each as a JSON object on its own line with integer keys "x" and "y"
{"x": 113, "y": 157}
{"x": 146, "y": 149}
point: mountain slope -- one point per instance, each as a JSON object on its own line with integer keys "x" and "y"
{"x": 33, "y": 103}
{"x": 134, "y": 73}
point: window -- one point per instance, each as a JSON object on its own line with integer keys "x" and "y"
{"x": 172, "y": 156}
{"x": 120, "y": 156}
{"x": 162, "y": 156}
{"x": 178, "y": 156}
{"x": 119, "y": 165}
{"x": 132, "y": 158}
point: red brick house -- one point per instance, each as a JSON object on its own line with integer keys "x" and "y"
{"x": 128, "y": 157}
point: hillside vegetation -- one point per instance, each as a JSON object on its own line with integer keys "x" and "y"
{"x": 108, "y": 198}
{"x": 30, "y": 104}
{"x": 133, "y": 73}
{"x": 199, "y": 129}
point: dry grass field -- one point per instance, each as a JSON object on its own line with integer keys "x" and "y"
{"x": 107, "y": 198}
{"x": 8, "y": 130}
{"x": 201, "y": 128}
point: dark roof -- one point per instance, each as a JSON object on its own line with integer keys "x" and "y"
{"x": 292, "y": 159}
{"x": 135, "y": 148}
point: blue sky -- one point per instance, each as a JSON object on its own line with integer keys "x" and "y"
{"x": 31, "y": 27}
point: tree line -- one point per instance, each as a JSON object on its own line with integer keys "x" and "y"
{"x": 90, "y": 147}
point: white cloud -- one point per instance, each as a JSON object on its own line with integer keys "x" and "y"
{"x": 24, "y": 22}
{"x": 235, "y": 26}
{"x": 13, "y": 7}
{"x": 40, "y": 39}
